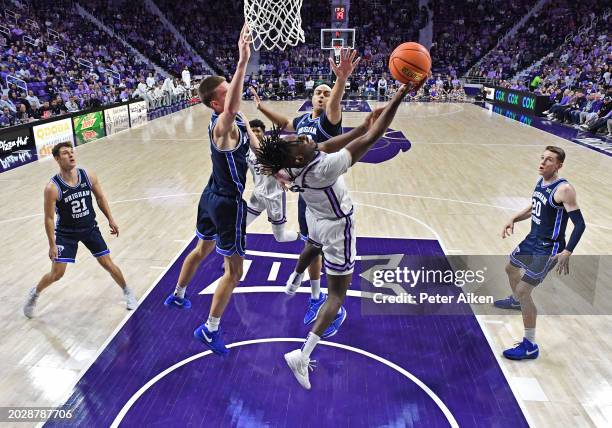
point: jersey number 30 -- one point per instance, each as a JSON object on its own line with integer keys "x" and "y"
{"x": 79, "y": 206}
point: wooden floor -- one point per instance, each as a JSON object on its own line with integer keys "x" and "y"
{"x": 466, "y": 172}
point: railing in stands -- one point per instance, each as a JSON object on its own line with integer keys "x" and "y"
{"x": 5, "y": 30}
{"x": 20, "y": 83}
{"x": 29, "y": 40}
{"x": 53, "y": 34}
{"x": 9, "y": 14}
{"x": 56, "y": 51}
{"x": 84, "y": 63}
{"x": 113, "y": 73}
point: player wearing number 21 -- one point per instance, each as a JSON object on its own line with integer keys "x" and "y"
{"x": 68, "y": 195}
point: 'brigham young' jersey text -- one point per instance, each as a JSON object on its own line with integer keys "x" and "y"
{"x": 73, "y": 207}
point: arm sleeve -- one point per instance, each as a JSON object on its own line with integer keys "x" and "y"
{"x": 579, "y": 227}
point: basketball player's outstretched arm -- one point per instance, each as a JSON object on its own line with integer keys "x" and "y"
{"x": 343, "y": 71}
{"x": 225, "y": 123}
{"x": 96, "y": 188}
{"x": 523, "y": 214}
{"x": 566, "y": 195}
{"x": 280, "y": 120}
{"x": 253, "y": 140}
{"x": 338, "y": 142}
{"x": 51, "y": 195}
{"x": 359, "y": 147}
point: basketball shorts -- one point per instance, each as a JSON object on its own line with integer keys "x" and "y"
{"x": 67, "y": 243}
{"x": 302, "y": 219}
{"x": 535, "y": 256}
{"x": 336, "y": 237}
{"x": 275, "y": 207}
{"x": 222, "y": 219}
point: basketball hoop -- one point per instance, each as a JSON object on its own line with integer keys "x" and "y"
{"x": 337, "y": 51}
{"x": 274, "y": 23}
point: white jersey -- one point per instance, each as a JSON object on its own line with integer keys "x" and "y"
{"x": 322, "y": 185}
{"x": 266, "y": 186}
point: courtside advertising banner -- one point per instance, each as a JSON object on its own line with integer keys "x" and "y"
{"x": 49, "y": 134}
{"x": 88, "y": 127}
{"x": 138, "y": 114}
{"x": 16, "y": 148}
{"x": 116, "y": 119}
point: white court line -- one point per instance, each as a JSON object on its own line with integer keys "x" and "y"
{"x": 447, "y": 413}
{"x": 274, "y": 271}
{"x": 403, "y": 195}
{"x": 281, "y": 289}
{"x": 428, "y": 227}
{"x": 481, "y": 321}
{"x": 118, "y": 328}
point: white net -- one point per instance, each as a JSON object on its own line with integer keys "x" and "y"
{"x": 274, "y": 23}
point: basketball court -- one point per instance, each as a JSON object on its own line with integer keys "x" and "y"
{"x": 442, "y": 182}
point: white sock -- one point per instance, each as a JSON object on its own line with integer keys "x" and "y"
{"x": 309, "y": 345}
{"x": 250, "y": 218}
{"x": 530, "y": 334}
{"x": 294, "y": 275}
{"x": 179, "y": 291}
{"x": 126, "y": 290}
{"x": 213, "y": 323}
{"x": 315, "y": 288}
{"x": 34, "y": 292}
{"x": 282, "y": 235}
{"x": 514, "y": 297}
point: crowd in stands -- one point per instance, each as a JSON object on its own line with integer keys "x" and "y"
{"x": 211, "y": 27}
{"x": 359, "y": 86}
{"x": 577, "y": 77}
{"x": 69, "y": 64}
{"x": 465, "y": 30}
{"x": 540, "y": 35}
{"x": 143, "y": 29}
{"x": 75, "y": 66}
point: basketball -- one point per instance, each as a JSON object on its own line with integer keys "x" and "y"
{"x": 410, "y": 62}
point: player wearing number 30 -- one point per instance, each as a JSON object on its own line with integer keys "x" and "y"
{"x": 68, "y": 194}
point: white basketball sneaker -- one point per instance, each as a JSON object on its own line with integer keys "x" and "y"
{"x": 300, "y": 366}
{"x": 293, "y": 283}
{"x": 28, "y": 308}
{"x": 130, "y": 300}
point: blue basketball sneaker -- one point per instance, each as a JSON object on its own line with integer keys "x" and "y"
{"x": 212, "y": 339}
{"x": 314, "y": 306}
{"x": 335, "y": 325}
{"x": 176, "y": 302}
{"x": 524, "y": 350}
{"x": 508, "y": 303}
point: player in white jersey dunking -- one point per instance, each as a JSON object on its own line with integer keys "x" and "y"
{"x": 331, "y": 226}
{"x": 553, "y": 201}
{"x": 268, "y": 194}
{"x": 69, "y": 195}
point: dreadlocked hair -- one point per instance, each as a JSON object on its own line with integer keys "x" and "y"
{"x": 273, "y": 152}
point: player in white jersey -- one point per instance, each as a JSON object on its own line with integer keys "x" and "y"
{"x": 318, "y": 176}
{"x": 267, "y": 195}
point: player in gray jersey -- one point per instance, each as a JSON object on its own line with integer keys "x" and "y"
{"x": 318, "y": 177}
{"x": 267, "y": 194}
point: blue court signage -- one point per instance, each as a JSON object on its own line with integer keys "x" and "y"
{"x": 527, "y": 102}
